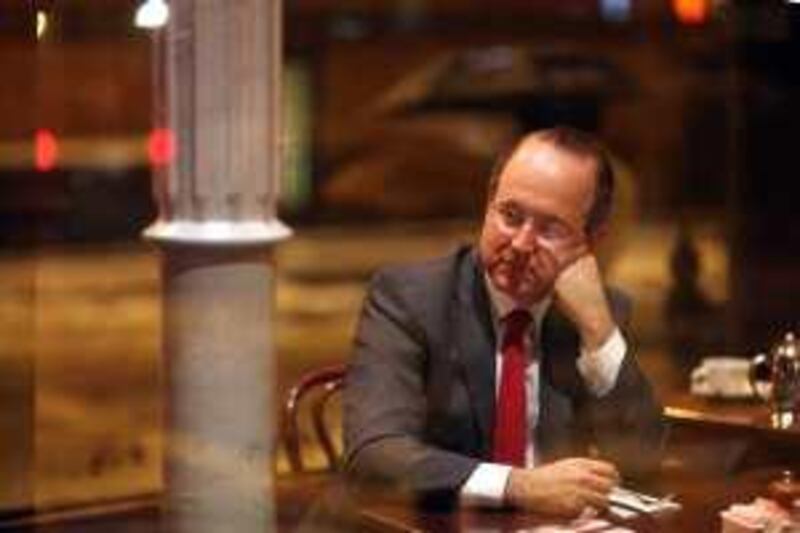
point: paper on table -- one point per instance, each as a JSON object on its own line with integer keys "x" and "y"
{"x": 641, "y": 503}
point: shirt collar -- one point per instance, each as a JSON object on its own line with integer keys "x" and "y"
{"x": 502, "y": 304}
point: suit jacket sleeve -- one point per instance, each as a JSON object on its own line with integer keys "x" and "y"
{"x": 627, "y": 423}
{"x": 385, "y": 399}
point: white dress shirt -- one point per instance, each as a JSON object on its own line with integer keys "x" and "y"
{"x": 486, "y": 485}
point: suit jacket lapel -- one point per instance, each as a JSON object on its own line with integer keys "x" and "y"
{"x": 558, "y": 386}
{"x": 560, "y": 347}
{"x": 475, "y": 343}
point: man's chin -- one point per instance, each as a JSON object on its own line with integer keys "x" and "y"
{"x": 524, "y": 295}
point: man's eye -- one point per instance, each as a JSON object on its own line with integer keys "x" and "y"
{"x": 555, "y": 230}
{"x": 512, "y": 217}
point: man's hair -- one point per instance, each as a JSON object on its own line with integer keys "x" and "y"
{"x": 576, "y": 143}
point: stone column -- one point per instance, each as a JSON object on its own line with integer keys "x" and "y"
{"x": 216, "y": 229}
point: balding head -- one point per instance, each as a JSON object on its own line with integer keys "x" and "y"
{"x": 578, "y": 144}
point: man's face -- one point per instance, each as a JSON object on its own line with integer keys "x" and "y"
{"x": 534, "y": 224}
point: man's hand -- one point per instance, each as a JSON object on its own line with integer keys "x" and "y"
{"x": 580, "y": 296}
{"x": 563, "y": 488}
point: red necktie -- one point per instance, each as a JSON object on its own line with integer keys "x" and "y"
{"x": 511, "y": 421}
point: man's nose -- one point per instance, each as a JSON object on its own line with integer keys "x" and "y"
{"x": 526, "y": 237}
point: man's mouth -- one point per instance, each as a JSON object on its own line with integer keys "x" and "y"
{"x": 518, "y": 272}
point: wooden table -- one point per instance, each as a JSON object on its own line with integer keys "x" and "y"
{"x": 725, "y": 437}
{"x": 701, "y": 504}
{"x": 749, "y": 416}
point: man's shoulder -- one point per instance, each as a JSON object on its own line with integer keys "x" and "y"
{"x": 429, "y": 269}
{"x": 429, "y": 279}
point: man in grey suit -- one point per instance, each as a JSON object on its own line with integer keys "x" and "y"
{"x": 423, "y": 391}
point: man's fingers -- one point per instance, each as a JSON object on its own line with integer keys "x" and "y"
{"x": 597, "y": 466}
{"x": 600, "y": 484}
{"x": 573, "y": 254}
{"x": 598, "y": 476}
{"x": 566, "y": 256}
{"x": 596, "y": 499}
{"x": 603, "y": 468}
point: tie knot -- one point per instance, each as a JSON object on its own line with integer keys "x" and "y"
{"x": 516, "y": 322}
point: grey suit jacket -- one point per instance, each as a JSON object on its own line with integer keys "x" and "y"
{"x": 420, "y": 392}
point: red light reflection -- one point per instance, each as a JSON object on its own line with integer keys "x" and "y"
{"x": 45, "y": 150}
{"x": 691, "y": 12}
{"x": 160, "y": 146}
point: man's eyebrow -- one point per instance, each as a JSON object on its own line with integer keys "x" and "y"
{"x": 546, "y": 217}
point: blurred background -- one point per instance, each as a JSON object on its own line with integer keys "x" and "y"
{"x": 393, "y": 112}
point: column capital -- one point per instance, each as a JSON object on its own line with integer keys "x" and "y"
{"x": 218, "y": 233}
{"x": 218, "y": 89}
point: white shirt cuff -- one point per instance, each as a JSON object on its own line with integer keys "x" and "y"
{"x": 600, "y": 367}
{"x": 486, "y": 486}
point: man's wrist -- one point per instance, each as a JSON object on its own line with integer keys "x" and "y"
{"x": 511, "y": 496}
{"x": 601, "y": 366}
{"x": 595, "y": 333}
